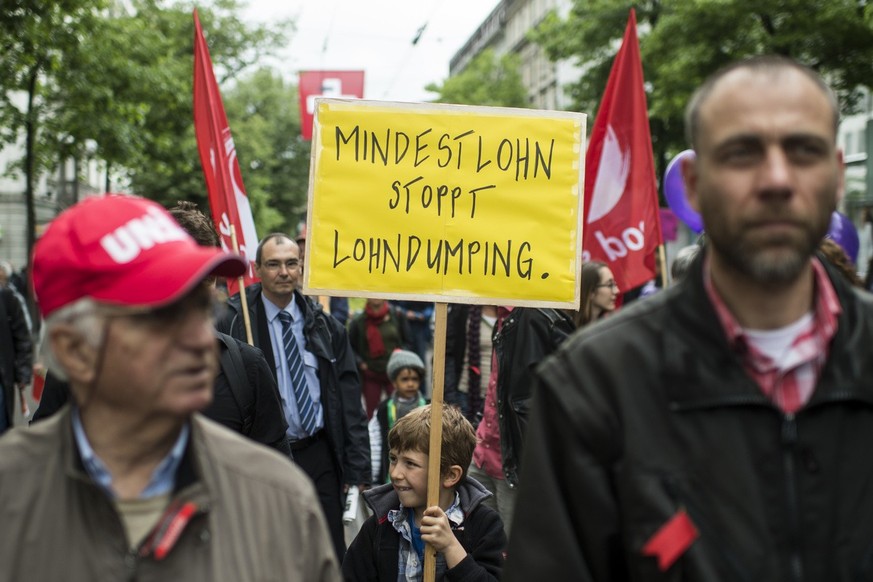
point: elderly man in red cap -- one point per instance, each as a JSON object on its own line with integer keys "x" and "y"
{"x": 130, "y": 482}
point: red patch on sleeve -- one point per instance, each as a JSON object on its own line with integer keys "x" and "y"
{"x": 671, "y": 540}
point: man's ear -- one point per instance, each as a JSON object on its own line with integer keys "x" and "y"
{"x": 74, "y": 353}
{"x": 689, "y": 178}
{"x": 452, "y": 476}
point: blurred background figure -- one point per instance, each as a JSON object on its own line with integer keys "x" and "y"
{"x": 405, "y": 371}
{"x": 836, "y": 255}
{"x": 652, "y": 286}
{"x": 374, "y": 334}
{"x": 683, "y": 260}
{"x": 468, "y": 356}
{"x": 16, "y": 356}
{"x": 865, "y": 245}
{"x": 7, "y": 278}
{"x": 599, "y": 293}
{"x": 523, "y": 337}
{"x": 418, "y": 316}
{"x": 338, "y": 307}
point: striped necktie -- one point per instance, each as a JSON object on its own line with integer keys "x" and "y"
{"x": 305, "y": 405}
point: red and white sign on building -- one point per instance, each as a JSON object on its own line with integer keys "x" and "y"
{"x": 335, "y": 84}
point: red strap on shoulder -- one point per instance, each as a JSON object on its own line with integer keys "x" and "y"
{"x": 174, "y": 529}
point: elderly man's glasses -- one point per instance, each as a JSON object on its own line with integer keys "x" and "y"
{"x": 201, "y": 299}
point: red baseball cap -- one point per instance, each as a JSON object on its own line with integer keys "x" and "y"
{"x": 122, "y": 250}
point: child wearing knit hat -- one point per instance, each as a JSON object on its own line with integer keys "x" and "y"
{"x": 406, "y": 371}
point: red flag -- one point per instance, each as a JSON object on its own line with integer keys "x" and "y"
{"x": 621, "y": 194}
{"x": 227, "y": 195}
{"x": 337, "y": 84}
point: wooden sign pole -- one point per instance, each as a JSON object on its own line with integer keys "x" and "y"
{"x": 436, "y": 427}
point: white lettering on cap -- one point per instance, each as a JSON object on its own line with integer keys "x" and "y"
{"x": 127, "y": 241}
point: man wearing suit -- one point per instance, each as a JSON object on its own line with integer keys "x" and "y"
{"x": 327, "y": 426}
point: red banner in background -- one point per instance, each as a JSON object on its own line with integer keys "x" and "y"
{"x": 335, "y": 84}
{"x": 227, "y": 196}
{"x": 621, "y": 194}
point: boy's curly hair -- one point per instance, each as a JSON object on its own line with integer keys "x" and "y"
{"x": 412, "y": 433}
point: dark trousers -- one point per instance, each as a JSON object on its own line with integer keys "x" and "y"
{"x": 316, "y": 460}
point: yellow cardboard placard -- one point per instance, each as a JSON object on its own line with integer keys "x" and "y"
{"x": 445, "y": 203}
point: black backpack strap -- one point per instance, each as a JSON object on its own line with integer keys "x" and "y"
{"x": 234, "y": 370}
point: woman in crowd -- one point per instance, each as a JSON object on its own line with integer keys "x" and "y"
{"x": 599, "y": 293}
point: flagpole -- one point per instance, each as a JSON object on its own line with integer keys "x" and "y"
{"x": 242, "y": 291}
{"x": 662, "y": 258}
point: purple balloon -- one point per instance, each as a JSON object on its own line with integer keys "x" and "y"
{"x": 844, "y": 233}
{"x": 674, "y": 192}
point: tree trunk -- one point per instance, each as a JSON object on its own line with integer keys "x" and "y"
{"x": 30, "y": 128}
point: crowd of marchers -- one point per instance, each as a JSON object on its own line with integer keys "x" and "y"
{"x": 708, "y": 426}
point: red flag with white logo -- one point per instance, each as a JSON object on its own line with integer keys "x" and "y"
{"x": 621, "y": 194}
{"x": 335, "y": 84}
{"x": 227, "y": 195}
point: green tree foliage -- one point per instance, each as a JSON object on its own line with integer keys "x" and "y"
{"x": 487, "y": 80}
{"x": 264, "y": 115}
{"x": 168, "y": 168}
{"x": 683, "y": 41}
{"x": 95, "y": 73}
{"x": 35, "y": 39}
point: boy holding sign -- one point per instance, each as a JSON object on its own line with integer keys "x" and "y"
{"x": 467, "y": 535}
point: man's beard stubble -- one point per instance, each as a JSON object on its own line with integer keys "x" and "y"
{"x": 774, "y": 262}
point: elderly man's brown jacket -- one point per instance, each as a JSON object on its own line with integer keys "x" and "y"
{"x": 239, "y": 511}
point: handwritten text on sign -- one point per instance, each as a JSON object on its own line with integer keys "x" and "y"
{"x": 445, "y": 203}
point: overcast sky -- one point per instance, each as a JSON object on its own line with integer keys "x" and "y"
{"x": 376, "y": 36}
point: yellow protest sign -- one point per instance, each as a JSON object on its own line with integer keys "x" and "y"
{"x": 445, "y": 203}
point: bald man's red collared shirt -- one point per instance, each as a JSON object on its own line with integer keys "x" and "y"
{"x": 789, "y": 384}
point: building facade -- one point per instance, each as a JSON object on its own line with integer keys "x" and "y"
{"x": 504, "y": 31}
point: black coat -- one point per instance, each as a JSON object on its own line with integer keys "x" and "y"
{"x": 344, "y": 418}
{"x": 649, "y": 413}
{"x": 16, "y": 350}
{"x": 527, "y": 336}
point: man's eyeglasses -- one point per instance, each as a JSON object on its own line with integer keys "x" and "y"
{"x": 289, "y": 265}
{"x": 610, "y": 284}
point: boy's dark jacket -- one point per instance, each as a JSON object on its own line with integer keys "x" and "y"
{"x": 374, "y": 553}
